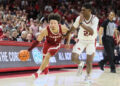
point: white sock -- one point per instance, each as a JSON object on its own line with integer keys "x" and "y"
{"x": 80, "y": 63}
{"x": 39, "y": 71}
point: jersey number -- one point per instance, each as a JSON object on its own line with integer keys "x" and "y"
{"x": 86, "y": 33}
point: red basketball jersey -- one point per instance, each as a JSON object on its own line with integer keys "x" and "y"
{"x": 52, "y": 38}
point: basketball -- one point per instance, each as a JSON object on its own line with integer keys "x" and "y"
{"x": 24, "y": 55}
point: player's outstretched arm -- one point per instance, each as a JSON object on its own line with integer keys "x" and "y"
{"x": 70, "y": 31}
{"x": 39, "y": 38}
{"x": 65, "y": 30}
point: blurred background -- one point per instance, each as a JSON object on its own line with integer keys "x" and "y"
{"x": 22, "y": 20}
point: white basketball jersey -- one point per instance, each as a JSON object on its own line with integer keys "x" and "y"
{"x": 92, "y": 23}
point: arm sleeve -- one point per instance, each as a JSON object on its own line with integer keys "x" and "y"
{"x": 34, "y": 44}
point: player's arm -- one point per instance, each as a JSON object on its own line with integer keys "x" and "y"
{"x": 42, "y": 34}
{"x": 74, "y": 26}
{"x": 100, "y": 35}
{"x": 70, "y": 31}
{"x": 65, "y": 31}
{"x": 39, "y": 38}
{"x": 87, "y": 28}
{"x": 91, "y": 29}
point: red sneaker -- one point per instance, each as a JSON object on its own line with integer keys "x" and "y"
{"x": 46, "y": 70}
{"x": 35, "y": 75}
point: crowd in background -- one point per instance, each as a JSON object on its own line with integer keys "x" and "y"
{"x": 22, "y": 20}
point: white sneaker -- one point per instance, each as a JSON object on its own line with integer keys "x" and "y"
{"x": 88, "y": 81}
{"x": 80, "y": 68}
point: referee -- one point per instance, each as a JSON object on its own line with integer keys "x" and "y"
{"x": 106, "y": 32}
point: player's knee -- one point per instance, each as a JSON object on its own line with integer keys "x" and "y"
{"x": 74, "y": 57}
{"x": 47, "y": 57}
{"x": 89, "y": 62}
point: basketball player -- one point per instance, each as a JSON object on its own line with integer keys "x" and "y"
{"x": 53, "y": 34}
{"x": 87, "y": 24}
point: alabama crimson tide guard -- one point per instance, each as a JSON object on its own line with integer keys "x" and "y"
{"x": 52, "y": 38}
{"x": 52, "y": 42}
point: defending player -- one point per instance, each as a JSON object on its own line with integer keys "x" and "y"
{"x": 87, "y": 24}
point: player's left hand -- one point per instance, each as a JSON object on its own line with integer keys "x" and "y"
{"x": 81, "y": 18}
{"x": 67, "y": 46}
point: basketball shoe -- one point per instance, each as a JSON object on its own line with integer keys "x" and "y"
{"x": 80, "y": 68}
{"x": 46, "y": 71}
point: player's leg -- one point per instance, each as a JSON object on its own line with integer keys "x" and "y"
{"x": 90, "y": 51}
{"x": 46, "y": 70}
{"x": 77, "y": 50}
{"x": 45, "y": 62}
{"x": 89, "y": 62}
{"x": 45, "y": 50}
{"x": 75, "y": 58}
{"x": 52, "y": 50}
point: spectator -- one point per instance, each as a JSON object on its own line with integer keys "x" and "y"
{"x": 48, "y": 8}
{"x": 29, "y": 37}
{"x": 14, "y": 35}
{"x": 6, "y": 35}
{"x": 23, "y": 36}
{"x": 34, "y": 28}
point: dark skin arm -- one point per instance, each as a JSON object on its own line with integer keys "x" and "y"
{"x": 87, "y": 28}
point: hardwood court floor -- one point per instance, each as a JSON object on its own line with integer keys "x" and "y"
{"x": 66, "y": 77}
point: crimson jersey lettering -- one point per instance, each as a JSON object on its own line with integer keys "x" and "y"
{"x": 53, "y": 38}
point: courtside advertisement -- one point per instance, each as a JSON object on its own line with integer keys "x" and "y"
{"x": 9, "y": 57}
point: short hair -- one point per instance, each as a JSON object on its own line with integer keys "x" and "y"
{"x": 87, "y": 6}
{"x": 54, "y": 16}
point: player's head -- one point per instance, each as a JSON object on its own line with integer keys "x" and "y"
{"x": 111, "y": 15}
{"x": 86, "y": 9}
{"x": 54, "y": 19}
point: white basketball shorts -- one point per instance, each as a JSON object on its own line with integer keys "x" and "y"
{"x": 81, "y": 45}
